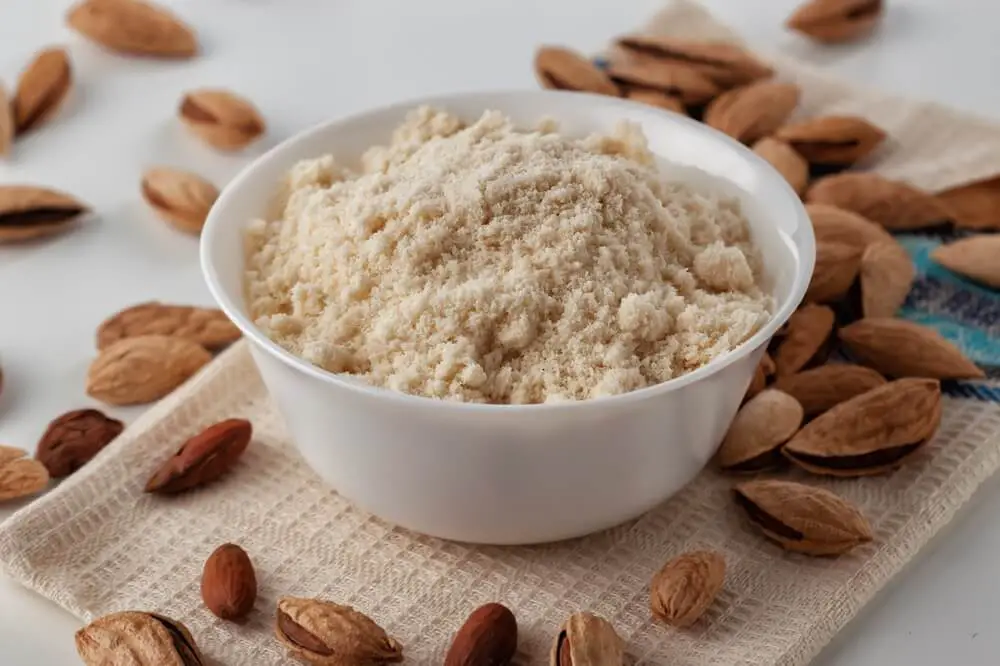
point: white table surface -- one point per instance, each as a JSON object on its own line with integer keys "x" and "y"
{"x": 303, "y": 61}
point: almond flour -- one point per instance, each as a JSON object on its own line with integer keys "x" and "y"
{"x": 484, "y": 263}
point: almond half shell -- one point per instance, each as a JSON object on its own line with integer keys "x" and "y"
{"x": 726, "y": 64}
{"x": 838, "y": 140}
{"x": 900, "y": 348}
{"x": 834, "y": 21}
{"x": 803, "y": 519}
{"x": 221, "y": 119}
{"x": 180, "y": 198}
{"x": 870, "y": 433}
{"x": 977, "y": 258}
{"x": 826, "y": 386}
{"x": 809, "y": 330}
{"x": 753, "y": 111}
{"x": 28, "y": 212}
{"x": 756, "y": 435}
{"x": 887, "y": 274}
{"x": 560, "y": 68}
{"x": 133, "y": 27}
{"x": 895, "y": 205}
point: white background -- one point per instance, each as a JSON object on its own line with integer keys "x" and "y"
{"x": 303, "y": 61}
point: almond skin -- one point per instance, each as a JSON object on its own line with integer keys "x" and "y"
{"x": 559, "y": 68}
{"x": 133, "y": 27}
{"x": 870, "y": 433}
{"x": 900, "y": 348}
{"x": 686, "y": 586}
{"x": 836, "y": 21}
{"x": 977, "y": 258}
{"x": 180, "y": 198}
{"x": 760, "y": 427}
{"x": 221, "y": 119}
{"x": 228, "y": 583}
{"x": 887, "y": 274}
{"x": 753, "y": 111}
{"x": 826, "y": 386}
{"x": 488, "y": 636}
{"x": 42, "y": 89}
{"x": 893, "y": 204}
{"x": 789, "y": 163}
{"x": 139, "y": 370}
{"x": 836, "y": 140}
{"x": 809, "y": 329}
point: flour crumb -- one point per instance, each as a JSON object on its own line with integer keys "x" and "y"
{"x": 485, "y": 263}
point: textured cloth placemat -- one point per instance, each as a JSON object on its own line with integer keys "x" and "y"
{"x": 98, "y": 544}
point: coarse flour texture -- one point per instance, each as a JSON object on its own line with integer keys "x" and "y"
{"x": 486, "y": 263}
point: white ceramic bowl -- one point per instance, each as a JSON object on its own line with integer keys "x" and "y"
{"x": 507, "y": 474}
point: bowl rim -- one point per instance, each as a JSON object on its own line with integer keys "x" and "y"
{"x": 803, "y": 233}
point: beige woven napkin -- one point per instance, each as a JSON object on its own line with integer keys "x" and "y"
{"x": 98, "y": 544}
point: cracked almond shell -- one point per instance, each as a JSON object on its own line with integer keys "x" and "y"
{"x": 977, "y": 258}
{"x": 893, "y": 204}
{"x": 726, "y": 64}
{"x": 559, "y": 68}
{"x": 180, "y": 198}
{"x": 753, "y": 111}
{"x": 41, "y": 89}
{"x": 758, "y": 431}
{"x": 686, "y": 586}
{"x": 801, "y": 518}
{"x": 221, "y": 118}
{"x": 136, "y": 638}
{"x": 586, "y": 639}
{"x": 808, "y": 331}
{"x": 837, "y": 140}
{"x": 901, "y": 348}
{"x": 322, "y": 632}
{"x": 871, "y": 433}
{"x": 826, "y": 386}
{"x": 835, "y": 21}
{"x": 28, "y": 212}
{"x": 133, "y": 27}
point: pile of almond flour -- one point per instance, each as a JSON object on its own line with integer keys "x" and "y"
{"x": 484, "y": 263}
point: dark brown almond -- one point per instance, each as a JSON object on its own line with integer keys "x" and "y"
{"x": 900, "y": 348}
{"x": 209, "y": 327}
{"x": 837, "y": 266}
{"x": 671, "y": 78}
{"x": 977, "y": 258}
{"x": 803, "y": 519}
{"x": 133, "y": 27}
{"x": 887, "y": 274}
{"x": 837, "y": 225}
{"x": 760, "y": 428}
{"x": 753, "y": 111}
{"x": 203, "y": 458}
{"x": 488, "y": 636}
{"x": 895, "y": 205}
{"x": 835, "y": 21}
{"x": 809, "y": 330}
{"x": 41, "y": 89}
{"x": 229, "y": 583}
{"x": 838, "y": 140}
{"x": 560, "y": 68}
{"x": 725, "y": 63}
{"x": 72, "y": 439}
{"x": 823, "y": 387}
{"x": 28, "y": 212}
{"x": 871, "y": 433}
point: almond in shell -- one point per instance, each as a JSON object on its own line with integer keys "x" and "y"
{"x": 656, "y": 98}
{"x": 586, "y": 639}
{"x": 7, "y": 124}
{"x": 809, "y": 330}
{"x": 42, "y": 89}
{"x": 975, "y": 206}
{"x": 180, "y": 198}
{"x": 20, "y": 476}
{"x": 560, "y": 68}
{"x": 835, "y": 21}
{"x": 209, "y": 327}
{"x": 837, "y": 225}
{"x": 803, "y": 519}
{"x": 870, "y": 433}
{"x": 893, "y": 204}
{"x": 139, "y": 370}
{"x": 900, "y": 348}
{"x": 887, "y": 274}
{"x": 725, "y": 63}
{"x": 28, "y": 212}
{"x": 826, "y": 386}
{"x": 202, "y": 458}
{"x": 221, "y": 118}
{"x": 977, "y": 258}
{"x": 786, "y": 160}
{"x": 758, "y": 431}
{"x": 753, "y": 111}
{"x": 837, "y": 140}
{"x": 837, "y": 266}
{"x": 71, "y": 440}
{"x": 488, "y": 636}
{"x": 136, "y": 638}
{"x": 322, "y": 632}
{"x": 133, "y": 27}
{"x": 671, "y": 78}
{"x": 686, "y": 586}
